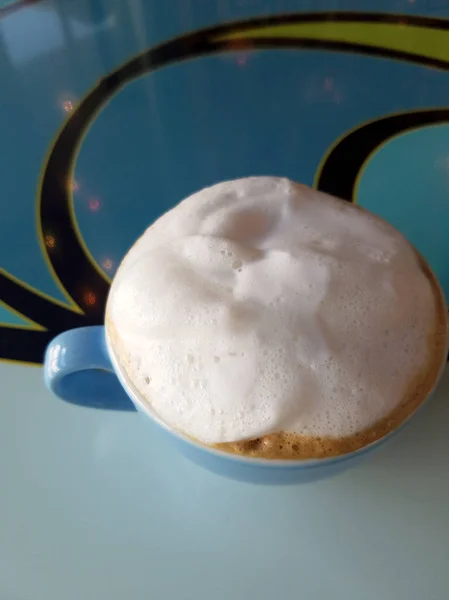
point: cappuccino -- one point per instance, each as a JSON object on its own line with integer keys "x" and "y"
{"x": 267, "y": 319}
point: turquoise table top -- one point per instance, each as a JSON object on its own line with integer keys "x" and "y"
{"x": 111, "y": 111}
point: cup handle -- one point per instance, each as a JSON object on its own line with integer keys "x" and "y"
{"x": 77, "y": 368}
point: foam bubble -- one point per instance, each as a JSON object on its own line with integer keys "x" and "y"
{"x": 260, "y": 305}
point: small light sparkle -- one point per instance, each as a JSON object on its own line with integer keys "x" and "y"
{"x": 75, "y": 185}
{"x": 94, "y": 204}
{"x": 50, "y": 241}
{"x": 107, "y": 264}
{"x": 68, "y": 106}
{"x": 90, "y": 298}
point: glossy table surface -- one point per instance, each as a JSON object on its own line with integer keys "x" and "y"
{"x": 110, "y": 113}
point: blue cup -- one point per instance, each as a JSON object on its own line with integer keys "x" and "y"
{"x": 80, "y": 367}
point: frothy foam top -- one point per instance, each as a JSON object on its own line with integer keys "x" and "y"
{"x": 260, "y": 305}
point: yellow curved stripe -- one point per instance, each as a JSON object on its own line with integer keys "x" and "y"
{"x": 28, "y": 325}
{"x": 21, "y": 363}
{"x": 37, "y": 292}
{"x": 427, "y": 42}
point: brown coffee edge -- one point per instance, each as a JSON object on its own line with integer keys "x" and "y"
{"x": 290, "y": 446}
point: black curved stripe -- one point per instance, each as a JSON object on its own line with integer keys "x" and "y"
{"x": 35, "y": 307}
{"x": 23, "y": 344}
{"x": 338, "y": 175}
{"x": 72, "y": 266}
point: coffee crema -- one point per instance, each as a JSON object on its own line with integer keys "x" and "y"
{"x": 264, "y": 318}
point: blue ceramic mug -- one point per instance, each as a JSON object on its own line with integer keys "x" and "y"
{"x": 80, "y": 367}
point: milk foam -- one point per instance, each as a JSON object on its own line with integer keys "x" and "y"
{"x": 260, "y": 305}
